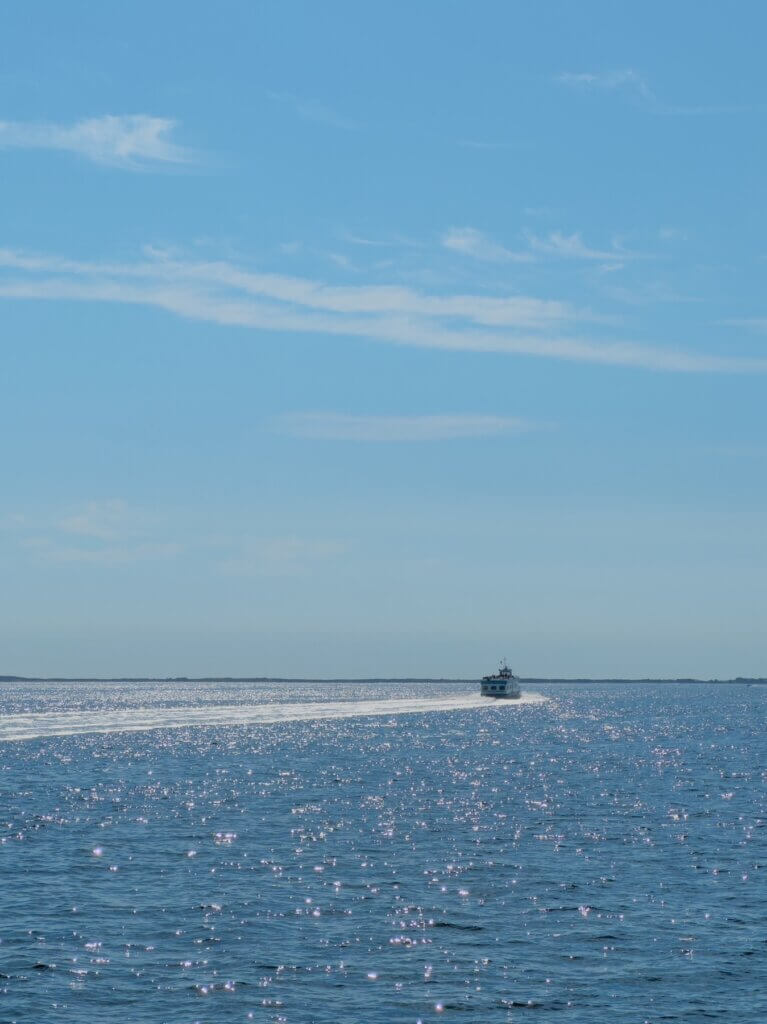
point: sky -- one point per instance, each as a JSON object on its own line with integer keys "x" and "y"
{"x": 362, "y": 340}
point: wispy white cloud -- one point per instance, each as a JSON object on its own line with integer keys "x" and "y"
{"x": 280, "y": 556}
{"x": 106, "y": 533}
{"x": 106, "y": 555}
{"x": 623, "y": 79}
{"x": 13, "y": 521}
{"x": 102, "y": 520}
{"x": 632, "y": 83}
{"x": 341, "y": 260}
{"x": 223, "y": 293}
{"x": 572, "y": 247}
{"x": 395, "y": 241}
{"x": 646, "y": 293}
{"x": 489, "y": 145}
{"x": 131, "y": 141}
{"x": 313, "y": 110}
{"x": 472, "y": 242}
{"x": 739, "y": 451}
{"x": 114, "y": 534}
{"x": 329, "y": 426}
{"x": 538, "y": 211}
{"x": 669, "y": 234}
{"x": 752, "y": 323}
{"x": 221, "y": 286}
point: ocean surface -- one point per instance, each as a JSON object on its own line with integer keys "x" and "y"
{"x": 377, "y": 853}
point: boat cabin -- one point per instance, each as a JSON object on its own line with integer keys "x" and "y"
{"x": 502, "y": 684}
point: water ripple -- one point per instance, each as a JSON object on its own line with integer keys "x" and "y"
{"x": 595, "y": 856}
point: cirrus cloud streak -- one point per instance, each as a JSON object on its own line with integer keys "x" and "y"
{"x": 130, "y": 141}
{"x": 223, "y": 293}
{"x": 332, "y": 426}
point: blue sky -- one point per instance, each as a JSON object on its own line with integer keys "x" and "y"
{"x": 360, "y": 339}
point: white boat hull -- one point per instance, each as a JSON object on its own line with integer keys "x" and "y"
{"x": 499, "y": 692}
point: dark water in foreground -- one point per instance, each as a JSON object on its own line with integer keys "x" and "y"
{"x": 601, "y": 856}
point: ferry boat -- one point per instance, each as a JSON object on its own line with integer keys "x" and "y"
{"x": 502, "y": 684}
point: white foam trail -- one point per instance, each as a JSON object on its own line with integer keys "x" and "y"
{"x": 75, "y": 723}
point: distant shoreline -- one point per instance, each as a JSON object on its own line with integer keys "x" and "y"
{"x": 739, "y": 680}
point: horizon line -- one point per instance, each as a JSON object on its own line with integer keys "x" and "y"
{"x": 368, "y": 679}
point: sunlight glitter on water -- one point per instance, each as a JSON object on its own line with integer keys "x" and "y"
{"x": 469, "y": 863}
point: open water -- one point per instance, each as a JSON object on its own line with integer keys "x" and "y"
{"x": 376, "y": 853}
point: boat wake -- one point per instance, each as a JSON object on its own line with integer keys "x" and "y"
{"x": 75, "y": 723}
